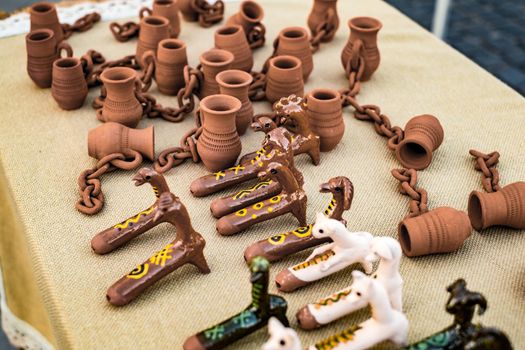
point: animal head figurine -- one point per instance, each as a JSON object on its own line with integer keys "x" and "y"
{"x": 462, "y": 303}
{"x": 291, "y": 111}
{"x": 326, "y": 227}
{"x": 281, "y": 337}
{"x": 341, "y": 188}
{"x": 156, "y": 180}
{"x": 263, "y": 123}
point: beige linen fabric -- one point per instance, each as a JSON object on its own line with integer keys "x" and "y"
{"x": 43, "y": 149}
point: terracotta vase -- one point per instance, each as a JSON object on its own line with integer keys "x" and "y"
{"x": 153, "y": 29}
{"x": 325, "y": 115}
{"x": 250, "y": 14}
{"x": 69, "y": 87}
{"x": 168, "y": 9}
{"x": 505, "y": 207}
{"x": 42, "y": 51}
{"x": 170, "y": 62}
{"x": 219, "y": 144}
{"x": 423, "y": 135}
{"x": 233, "y": 39}
{"x": 111, "y": 138}
{"x": 43, "y": 15}
{"x": 363, "y": 33}
{"x": 318, "y": 14}
{"x": 213, "y": 62}
{"x": 121, "y": 104}
{"x": 294, "y": 41}
{"x": 441, "y": 230}
{"x": 236, "y": 83}
{"x": 284, "y": 78}
{"x": 188, "y": 13}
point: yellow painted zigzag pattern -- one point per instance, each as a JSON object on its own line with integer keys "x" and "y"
{"x": 133, "y": 220}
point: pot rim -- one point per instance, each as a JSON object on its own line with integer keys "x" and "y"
{"x": 283, "y": 57}
{"x": 123, "y": 70}
{"x": 335, "y": 93}
{"x": 411, "y": 164}
{"x": 66, "y": 59}
{"x": 475, "y": 209}
{"x": 164, "y": 3}
{"x": 182, "y": 44}
{"x": 294, "y": 28}
{"x": 233, "y": 100}
{"x": 255, "y": 5}
{"x": 164, "y": 21}
{"x": 47, "y": 31}
{"x": 353, "y": 23}
{"x": 237, "y": 28}
{"x": 225, "y": 53}
{"x": 48, "y": 7}
{"x": 222, "y": 75}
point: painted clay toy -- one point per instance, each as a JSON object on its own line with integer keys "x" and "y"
{"x": 236, "y": 83}
{"x": 285, "y": 77}
{"x": 232, "y": 38}
{"x": 295, "y": 41}
{"x": 250, "y": 16}
{"x": 323, "y": 20}
{"x": 292, "y": 199}
{"x": 69, "y": 87}
{"x": 347, "y": 248}
{"x": 463, "y": 334}
{"x": 281, "y": 337}
{"x": 263, "y": 307}
{"x": 282, "y": 245}
{"x": 499, "y": 206}
{"x": 187, "y": 248}
{"x": 338, "y": 304}
{"x": 205, "y": 12}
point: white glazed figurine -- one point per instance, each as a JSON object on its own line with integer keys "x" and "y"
{"x": 346, "y": 249}
{"x": 281, "y": 337}
{"x": 338, "y": 305}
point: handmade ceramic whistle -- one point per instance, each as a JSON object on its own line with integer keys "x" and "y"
{"x": 43, "y": 15}
{"x": 213, "y": 62}
{"x": 282, "y": 245}
{"x": 232, "y": 38}
{"x": 236, "y": 83}
{"x": 295, "y": 41}
{"x": 339, "y": 304}
{"x": 250, "y": 16}
{"x": 69, "y": 87}
{"x": 284, "y": 78}
{"x": 292, "y": 199}
{"x": 463, "y": 334}
{"x": 347, "y": 248}
{"x": 168, "y": 9}
{"x": 323, "y": 17}
{"x": 263, "y": 307}
{"x": 153, "y": 29}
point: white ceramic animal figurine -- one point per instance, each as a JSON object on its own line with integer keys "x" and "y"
{"x": 389, "y": 252}
{"x": 281, "y": 337}
{"x": 346, "y": 249}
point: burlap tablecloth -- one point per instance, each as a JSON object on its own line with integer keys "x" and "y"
{"x": 55, "y": 282}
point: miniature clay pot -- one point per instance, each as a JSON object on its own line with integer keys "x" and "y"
{"x": 285, "y": 77}
{"x": 42, "y": 51}
{"x": 423, "y": 135}
{"x": 44, "y": 15}
{"x": 250, "y": 14}
{"x": 233, "y": 39}
{"x": 213, "y": 62}
{"x": 187, "y": 10}
{"x": 111, "y": 138}
{"x": 505, "y": 207}
{"x": 170, "y": 61}
{"x": 294, "y": 41}
{"x": 441, "y": 230}
{"x": 121, "y": 104}
{"x": 69, "y": 87}
{"x": 325, "y": 115}
{"x": 318, "y": 15}
{"x": 219, "y": 144}
{"x": 153, "y": 29}
{"x": 363, "y": 33}
{"x": 236, "y": 83}
{"x": 168, "y": 9}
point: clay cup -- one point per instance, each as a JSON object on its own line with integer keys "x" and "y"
{"x": 233, "y": 39}
{"x": 325, "y": 116}
{"x": 236, "y": 83}
{"x": 69, "y": 87}
{"x": 294, "y": 41}
{"x": 285, "y": 77}
{"x": 153, "y": 29}
{"x": 213, "y": 62}
{"x": 43, "y": 15}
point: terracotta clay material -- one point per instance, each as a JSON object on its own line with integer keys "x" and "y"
{"x": 44, "y": 15}
{"x": 168, "y": 9}
{"x": 236, "y": 83}
{"x": 213, "y": 62}
{"x": 294, "y": 41}
{"x": 441, "y": 230}
{"x": 169, "y": 66}
{"x": 232, "y": 38}
{"x": 250, "y": 16}
{"x": 219, "y": 145}
{"x": 153, "y": 29}
{"x": 110, "y": 138}
{"x": 325, "y": 116}
{"x": 121, "y": 104}
{"x": 285, "y": 77}
{"x": 42, "y": 51}
{"x": 423, "y": 135}
{"x": 363, "y": 39}
{"x": 69, "y": 87}
{"x": 324, "y": 11}
{"x": 187, "y": 10}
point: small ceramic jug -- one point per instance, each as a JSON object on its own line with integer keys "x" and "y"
{"x": 325, "y": 115}
{"x": 294, "y": 41}
{"x": 169, "y": 65}
{"x": 44, "y": 15}
{"x": 219, "y": 144}
{"x": 423, "y": 135}
{"x": 285, "y": 78}
{"x": 168, "y": 9}
{"x": 187, "y": 10}
{"x": 69, "y": 87}
{"x": 233, "y": 39}
{"x": 236, "y": 83}
{"x": 213, "y": 62}
{"x": 153, "y": 29}
{"x": 250, "y": 15}
{"x": 112, "y": 137}
{"x": 121, "y": 104}
{"x": 505, "y": 207}
{"x": 320, "y": 12}
{"x": 363, "y": 39}
{"x": 441, "y": 230}
{"x": 42, "y": 51}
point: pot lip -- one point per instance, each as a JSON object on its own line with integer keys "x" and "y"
{"x": 151, "y": 129}
{"x": 228, "y": 26}
{"x": 207, "y": 62}
{"x": 164, "y": 21}
{"x": 294, "y": 28}
{"x": 246, "y": 76}
{"x": 123, "y": 70}
{"x": 164, "y": 3}
{"x": 248, "y": 18}
{"x": 377, "y": 25}
{"x": 477, "y": 223}
{"x": 50, "y": 7}
{"x": 337, "y": 95}
{"x": 234, "y": 100}
{"x": 50, "y": 33}
{"x": 410, "y": 165}
{"x": 288, "y": 57}
{"x": 172, "y": 40}
{"x": 62, "y": 59}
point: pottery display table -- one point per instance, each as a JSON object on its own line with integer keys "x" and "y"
{"x": 54, "y": 282}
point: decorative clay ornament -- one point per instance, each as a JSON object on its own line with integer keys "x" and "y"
{"x": 250, "y": 16}
{"x": 281, "y": 337}
{"x": 347, "y": 248}
{"x": 263, "y": 307}
{"x": 233, "y": 39}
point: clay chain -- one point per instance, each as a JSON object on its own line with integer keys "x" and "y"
{"x": 127, "y": 61}
{"x": 418, "y": 196}
{"x": 124, "y": 32}
{"x": 89, "y": 60}
{"x": 324, "y": 29}
{"x": 208, "y": 14}
{"x": 81, "y": 25}
{"x": 486, "y": 163}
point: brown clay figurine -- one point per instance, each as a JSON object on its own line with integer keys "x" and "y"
{"x": 206, "y": 13}
{"x": 213, "y": 62}
{"x": 236, "y": 83}
{"x": 282, "y": 245}
{"x": 250, "y": 16}
{"x": 504, "y": 206}
{"x": 323, "y": 17}
{"x": 186, "y": 248}
{"x": 168, "y": 9}
{"x": 284, "y": 78}
{"x": 44, "y": 15}
{"x": 153, "y": 29}
{"x": 233, "y": 39}
{"x": 69, "y": 87}
{"x": 294, "y": 41}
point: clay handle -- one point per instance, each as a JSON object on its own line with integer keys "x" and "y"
{"x": 145, "y": 11}
{"x": 64, "y": 46}
{"x": 128, "y": 164}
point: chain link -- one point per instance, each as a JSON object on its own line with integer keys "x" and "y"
{"x": 124, "y": 32}
{"x": 418, "y": 196}
{"x": 209, "y": 14}
{"x": 324, "y": 30}
{"x": 257, "y": 36}
{"x": 81, "y": 25}
{"x": 89, "y": 60}
{"x": 127, "y": 61}
{"x": 486, "y": 163}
